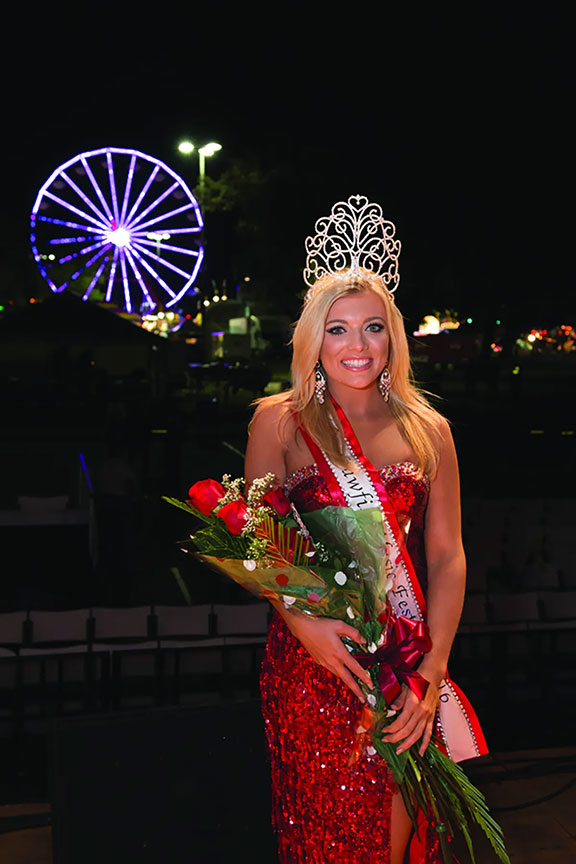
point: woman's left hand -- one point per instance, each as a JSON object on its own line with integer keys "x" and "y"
{"x": 415, "y": 719}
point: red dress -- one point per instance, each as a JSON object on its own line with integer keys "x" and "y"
{"x": 323, "y": 809}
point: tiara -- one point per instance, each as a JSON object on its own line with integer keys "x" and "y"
{"x": 354, "y": 240}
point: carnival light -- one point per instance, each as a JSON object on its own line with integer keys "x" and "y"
{"x": 102, "y": 207}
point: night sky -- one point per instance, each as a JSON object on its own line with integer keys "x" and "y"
{"x": 454, "y": 118}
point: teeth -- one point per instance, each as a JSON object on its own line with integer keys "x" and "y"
{"x": 357, "y": 364}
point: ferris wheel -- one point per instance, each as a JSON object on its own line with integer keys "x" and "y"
{"x": 119, "y": 225}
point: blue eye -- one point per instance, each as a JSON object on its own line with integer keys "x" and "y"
{"x": 375, "y": 328}
{"x": 336, "y": 331}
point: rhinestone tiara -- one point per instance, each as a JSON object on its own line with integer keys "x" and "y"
{"x": 354, "y": 240}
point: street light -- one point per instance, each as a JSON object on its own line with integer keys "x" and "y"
{"x": 186, "y": 147}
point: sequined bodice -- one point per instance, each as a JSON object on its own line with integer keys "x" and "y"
{"x": 408, "y": 494}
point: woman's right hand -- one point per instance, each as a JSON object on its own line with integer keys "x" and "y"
{"x": 322, "y": 639}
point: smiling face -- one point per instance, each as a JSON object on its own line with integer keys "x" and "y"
{"x": 356, "y": 342}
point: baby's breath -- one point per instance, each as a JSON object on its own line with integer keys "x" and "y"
{"x": 256, "y": 549}
{"x": 260, "y": 486}
{"x": 233, "y": 489}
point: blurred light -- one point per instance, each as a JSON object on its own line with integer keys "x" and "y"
{"x": 186, "y": 147}
{"x": 224, "y": 297}
{"x": 536, "y": 431}
{"x": 51, "y": 257}
{"x": 429, "y": 326}
{"x": 215, "y": 298}
{"x": 158, "y": 431}
{"x": 531, "y": 337}
{"x": 32, "y": 300}
{"x": 160, "y": 315}
{"x": 498, "y": 321}
{"x": 206, "y": 302}
{"x": 567, "y": 432}
{"x": 469, "y": 320}
{"x": 246, "y": 278}
{"x": 516, "y": 370}
{"x": 210, "y": 149}
{"x": 120, "y": 237}
{"x": 1, "y": 308}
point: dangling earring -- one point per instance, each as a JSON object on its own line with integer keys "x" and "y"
{"x": 384, "y": 383}
{"x": 320, "y": 385}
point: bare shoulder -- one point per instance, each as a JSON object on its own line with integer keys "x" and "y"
{"x": 269, "y": 432}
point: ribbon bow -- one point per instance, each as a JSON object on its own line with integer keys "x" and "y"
{"x": 407, "y": 641}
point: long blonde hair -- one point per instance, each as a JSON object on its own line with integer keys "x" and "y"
{"x": 417, "y": 419}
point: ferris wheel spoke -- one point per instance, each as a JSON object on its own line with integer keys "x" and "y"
{"x": 143, "y": 192}
{"x": 72, "y": 208}
{"x": 111, "y": 275}
{"x": 87, "y": 249}
{"x": 165, "y": 247}
{"x": 153, "y": 272}
{"x": 112, "y": 182}
{"x": 95, "y": 279}
{"x": 98, "y": 255}
{"x": 128, "y": 187}
{"x": 63, "y": 222}
{"x": 82, "y": 195}
{"x": 58, "y": 240}
{"x": 97, "y": 189}
{"x": 140, "y": 280}
{"x": 125, "y": 285}
{"x": 196, "y": 230}
{"x": 161, "y": 260}
{"x": 154, "y": 204}
{"x": 190, "y": 282}
{"x": 166, "y": 216}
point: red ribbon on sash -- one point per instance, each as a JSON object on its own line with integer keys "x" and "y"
{"x": 407, "y": 642}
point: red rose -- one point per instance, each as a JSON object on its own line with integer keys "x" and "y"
{"x": 205, "y": 495}
{"x": 278, "y": 501}
{"x": 234, "y": 515}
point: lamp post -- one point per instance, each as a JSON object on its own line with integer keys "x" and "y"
{"x": 186, "y": 147}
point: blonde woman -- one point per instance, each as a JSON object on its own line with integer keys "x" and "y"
{"x": 352, "y": 387}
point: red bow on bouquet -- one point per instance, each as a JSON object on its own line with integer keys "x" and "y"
{"x": 407, "y": 642}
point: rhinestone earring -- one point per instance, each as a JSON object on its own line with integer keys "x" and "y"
{"x": 320, "y": 385}
{"x": 384, "y": 383}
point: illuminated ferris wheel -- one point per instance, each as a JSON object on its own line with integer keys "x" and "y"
{"x": 118, "y": 225}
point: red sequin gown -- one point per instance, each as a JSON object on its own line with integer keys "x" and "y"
{"x": 325, "y": 810}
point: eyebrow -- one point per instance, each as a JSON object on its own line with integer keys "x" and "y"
{"x": 343, "y": 320}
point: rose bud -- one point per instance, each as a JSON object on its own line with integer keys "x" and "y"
{"x": 278, "y": 501}
{"x": 234, "y": 515}
{"x": 205, "y": 495}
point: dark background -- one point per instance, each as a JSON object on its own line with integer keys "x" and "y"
{"x": 454, "y": 117}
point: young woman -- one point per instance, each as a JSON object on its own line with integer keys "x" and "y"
{"x": 352, "y": 385}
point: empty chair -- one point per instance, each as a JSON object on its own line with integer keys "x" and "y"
{"x": 183, "y": 622}
{"x": 559, "y": 605}
{"x": 540, "y": 572}
{"x": 242, "y": 619}
{"x": 474, "y": 611}
{"x": 121, "y": 625}
{"x": 519, "y": 607}
{"x": 56, "y": 627}
{"x": 12, "y": 628}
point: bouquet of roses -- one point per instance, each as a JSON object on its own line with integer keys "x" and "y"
{"x": 332, "y": 562}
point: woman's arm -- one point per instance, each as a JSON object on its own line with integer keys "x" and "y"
{"x": 446, "y": 584}
{"x": 322, "y": 637}
{"x": 445, "y": 560}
